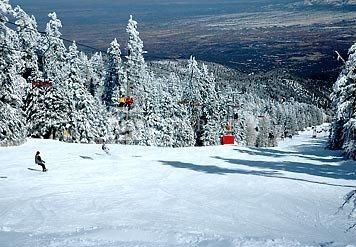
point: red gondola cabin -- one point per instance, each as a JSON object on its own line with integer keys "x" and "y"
{"x": 227, "y": 139}
{"x": 42, "y": 84}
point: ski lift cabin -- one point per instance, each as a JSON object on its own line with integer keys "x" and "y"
{"x": 39, "y": 83}
{"x": 228, "y": 137}
{"x": 190, "y": 102}
{"x": 125, "y": 101}
{"x": 44, "y": 81}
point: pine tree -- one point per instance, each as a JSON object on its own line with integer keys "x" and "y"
{"x": 343, "y": 132}
{"x": 12, "y": 124}
{"x": 114, "y": 78}
{"x": 88, "y": 121}
{"x": 168, "y": 109}
{"x": 336, "y": 138}
{"x": 152, "y": 112}
{"x": 250, "y": 130}
{"x": 136, "y": 66}
{"x": 48, "y": 112}
{"x": 54, "y": 51}
{"x": 137, "y": 85}
{"x": 291, "y": 125}
{"x": 86, "y": 72}
{"x": 176, "y": 129}
{"x": 48, "y": 108}
{"x": 209, "y": 121}
{"x": 98, "y": 75}
{"x": 29, "y": 39}
{"x": 264, "y": 131}
{"x": 192, "y": 99}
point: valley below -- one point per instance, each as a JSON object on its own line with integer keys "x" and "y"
{"x": 254, "y": 36}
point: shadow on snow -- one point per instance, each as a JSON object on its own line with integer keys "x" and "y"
{"x": 213, "y": 169}
{"x": 332, "y": 164}
{"x": 314, "y": 150}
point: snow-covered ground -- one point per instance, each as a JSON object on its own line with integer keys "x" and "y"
{"x": 147, "y": 196}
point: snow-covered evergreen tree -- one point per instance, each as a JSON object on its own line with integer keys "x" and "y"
{"x": 250, "y": 130}
{"x": 137, "y": 85}
{"x": 191, "y": 98}
{"x": 290, "y": 124}
{"x": 177, "y": 130}
{"x": 88, "y": 120}
{"x": 336, "y": 137}
{"x": 264, "y": 132}
{"x": 97, "y": 76}
{"x": 136, "y": 65}
{"x": 210, "y": 119}
{"x": 283, "y": 118}
{"x": 12, "y": 124}
{"x": 48, "y": 108}
{"x": 86, "y": 72}
{"x": 48, "y": 112}
{"x": 343, "y": 131}
{"x": 153, "y": 129}
{"x": 29, "y": 39}
{"x": 168, "y": 111}
{"x": 53, "y": 50}
{"x": 114, "y": 78}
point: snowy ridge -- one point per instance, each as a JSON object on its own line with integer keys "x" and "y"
{"x": 274, "y": 84}
{"x": 330, "y": 2}
{"x": 149, "y": 196}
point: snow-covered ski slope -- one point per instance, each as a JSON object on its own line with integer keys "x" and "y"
{"x": 147, "y": 196}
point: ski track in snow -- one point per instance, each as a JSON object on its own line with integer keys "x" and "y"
{"x": 148, "y": 196}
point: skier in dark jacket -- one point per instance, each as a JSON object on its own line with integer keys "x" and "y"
{"x": 39, "y": 161}
{"x": 105, "y": 148}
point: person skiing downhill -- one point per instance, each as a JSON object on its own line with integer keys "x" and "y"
{"x": 105, "y": 148}
{"x": 39, "y": 161}
{"x": 314, "y": 132}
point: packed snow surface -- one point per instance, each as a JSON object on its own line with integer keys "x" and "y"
{"x": 148, "y": 196}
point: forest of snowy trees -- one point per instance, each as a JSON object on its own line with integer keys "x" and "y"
{"x": 170, "y": 109}
{"x": 343, "y": 131}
